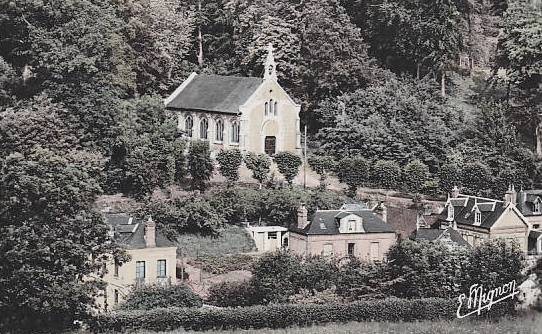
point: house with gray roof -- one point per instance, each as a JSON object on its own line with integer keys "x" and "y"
{"x": 352, "y": 230}
{"x": 153, "y": 258}
{"x": 248, "y": 113}
{"x": 478, "y": 218}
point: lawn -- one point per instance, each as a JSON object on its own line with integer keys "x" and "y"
{"x": 530, "y": 324}
{"x": 232, "y": 240}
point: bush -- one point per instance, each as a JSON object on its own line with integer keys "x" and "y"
{"x": 260, "y": 165}
{"x": 150, "y": 297}
{"x": 288, "y": 164}
{"x": 354, "y": 172}
{"x": 223, "y": 264}
{"x": 229, "y": 162}
{"x": 232, "y": 294}
{"x": 322, "y": 165}
{"x": 275, "y": 316}
{"x": 386, "y": 174}
{"x": 200, "y": 165}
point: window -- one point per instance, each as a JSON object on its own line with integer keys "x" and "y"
{"x": 351, "y": 249}
{"x": 219, "y": 130}
{"x": 272, "y": 235}
{"x": 161, "y": 268}
{"x": 477, "y": 217}
{"x": 351, "y": 225}
{"x": 450, "y": 212}
{"x": 140, "y": 269}
{"x": 116, "y": 273}
{"x": 375, "y": 251}
{"x": 275, "y": 109}
{"x": 328, "y": 250}
{"x": 537, "y": 206}
{"x": 235, "y": 132}
{"x": 188, "y": 125}
{"x": 266, "y": 108}
{"x": 116, "y": 296}
{"x": 203, "y": 128}
{"x": 271, "y": 109}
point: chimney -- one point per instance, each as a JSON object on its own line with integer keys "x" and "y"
{"x": 455, "y": 192}
{"x": 150, "y": 233}
{"x": 510, "y": 197}
{"x": 384, "y": 212}
{"x": 302, "y": 221}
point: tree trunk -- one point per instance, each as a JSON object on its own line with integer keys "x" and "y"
{"x": 538, "y": 142}
{"x": 200, "y": 40}
{"x": 443, "y": 84}
{"x": 418, "y": 71}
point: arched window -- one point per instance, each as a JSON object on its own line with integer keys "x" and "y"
{"x": 219, "y": 130}
{"x": 275, "y": 109}
{"x": 203, "y": 127}
{"x": 188, "y": 125}
{"x": 266, "y": 108}
{"x": 271, "y": 105}
{"x": 235, "y": 132}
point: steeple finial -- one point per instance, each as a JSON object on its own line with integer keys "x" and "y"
{"x": 270, "y": 71}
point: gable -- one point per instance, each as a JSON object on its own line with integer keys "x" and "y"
{"x": 269, "y": 89}
{"x": 213, "y": 93}
{"x": 510, "y": 218}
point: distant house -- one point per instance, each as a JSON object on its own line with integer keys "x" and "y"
{"x": 446, "y": 235}
{"x": 269, "y": 238}
{"x": 477, "y": 218}
{"x": 153, "y": 258}
{"x": 352, "y": 230}
{"x": 530, "y": 205}
{"x": 252, "y": 114}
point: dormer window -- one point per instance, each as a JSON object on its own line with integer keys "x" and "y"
{"x": 477, "y": 217}
{"x": 537, "y": 207}
{"x": 351, "y": 225}
{"x": 450, "y": 212}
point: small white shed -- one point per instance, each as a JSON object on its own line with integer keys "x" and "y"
{"x": 269, "y": 238}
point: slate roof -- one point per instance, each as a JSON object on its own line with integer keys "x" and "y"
{"x": 526, "y": 199}
{"x": 130, "y": 232}
{"x": 434, "y": 234}
{"x": 325, "y": 222}
{"x": 490, "y": 210}
{"x": 215, "y": 93}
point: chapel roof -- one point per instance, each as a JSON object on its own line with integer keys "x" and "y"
{"x": 213, "y": 93}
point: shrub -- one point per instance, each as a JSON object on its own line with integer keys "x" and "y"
{"x": 223, "y": 264}
{"x": 288, "y": 164}
{"x": 229, "y": 162}
{"x": 232, "y": 294}
{"x": 150, "y": 297}
{"x": 415, "y": 174}
{"x": 260, "y": 165}
{"x": 354, "y": 172}
{"x": 200, "y": 164}
{"x": 322, "y": 165}
{"x": 275, "y": 316}
{"x": 386, "y": 174}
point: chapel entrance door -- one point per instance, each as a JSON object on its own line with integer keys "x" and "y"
{"x": 270, "y": 145}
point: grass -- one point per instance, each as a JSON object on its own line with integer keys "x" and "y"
{"x": 530, "y": 324}
{"x": 232, "y": 240}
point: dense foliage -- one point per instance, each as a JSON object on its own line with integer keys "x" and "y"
{"x": 151, "y": 297}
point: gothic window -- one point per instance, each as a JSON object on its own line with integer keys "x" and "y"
{"x": 266, "y": 108}
{"x": 275, "y": 108}
{"x": 188, "y": 125}
{"x": 271, "y": 109}
{"x": 203, "y": 128}
{"x": 219, "y": 130}
{"x": 235, "y": 132}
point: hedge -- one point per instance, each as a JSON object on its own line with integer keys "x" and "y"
{"x": 274, "y": 316}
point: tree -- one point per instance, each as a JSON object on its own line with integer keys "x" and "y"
{"x": 151, "y": 297}
{"x": 322, "y": 165}
{"x": 229, "y": 162}
{"x": 52, "y": 242}
{"x": 476, "y": 178}
{"x": 259, "y": 164}
{"x": 354, "y": 172}
{"x": 386, "y": 174}
{"x": 358, "y": 280}
{"x": 449, "y": 177}
{"x": 200, "y": 165}
{"x": 415, "y": 174}
{"x": 288, "y": 164}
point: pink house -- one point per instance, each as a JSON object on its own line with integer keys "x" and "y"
{"x": 353, "y": 230}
